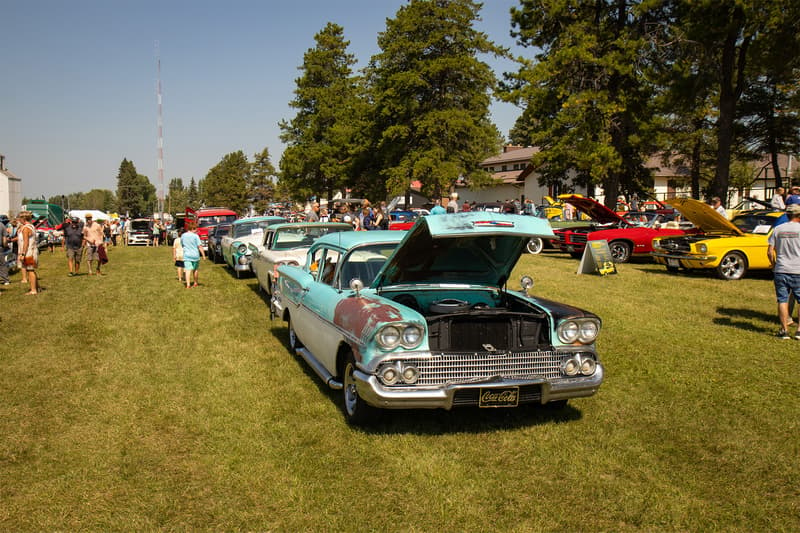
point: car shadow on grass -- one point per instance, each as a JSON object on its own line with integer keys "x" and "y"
{"x": 440, "y": 421}
{"x": 746, "y": 319}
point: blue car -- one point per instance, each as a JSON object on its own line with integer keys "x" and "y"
{"x": 424, "y": 319}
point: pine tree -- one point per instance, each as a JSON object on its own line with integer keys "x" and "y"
{"x": 193, "y": 195}
{"x": 226, "y": 183}
{"x": 587, "y": 105}
{"x": 260, "y": 187}
{"x": 317, "y": 159}
{"x": 128, "y": 194}
{"x": 432, "y": 95}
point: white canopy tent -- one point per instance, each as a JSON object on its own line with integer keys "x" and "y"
{"x": 96, "y": 214}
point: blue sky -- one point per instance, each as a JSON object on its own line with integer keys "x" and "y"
{"x": 78, "y": 89}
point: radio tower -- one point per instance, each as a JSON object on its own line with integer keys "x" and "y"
{"x": 160, "y": 138}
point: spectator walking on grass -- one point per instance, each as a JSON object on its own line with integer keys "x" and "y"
{"x": 73, "y": 244}
{"x": 4, "y": 245}
{"x": 29, "y": 251}
{"x": 192, "y": 250}
{"x": 784, "y": 254}
{"x": 177, "y": 254}
{"x": 93, "y": 239}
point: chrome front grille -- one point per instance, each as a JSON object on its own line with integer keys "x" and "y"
{"x": 458, "y": 368}
{"x": 675, "y": 246}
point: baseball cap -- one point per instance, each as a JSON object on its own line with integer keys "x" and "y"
{"x": 793, "y": 209}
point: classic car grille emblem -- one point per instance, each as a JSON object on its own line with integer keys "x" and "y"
{"x": 489, "y": 348}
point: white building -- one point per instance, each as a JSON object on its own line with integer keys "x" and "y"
{"x": 515, "y": 179}
{"x": 10, "y": 191}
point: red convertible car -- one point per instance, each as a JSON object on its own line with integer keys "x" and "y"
{"x": 628, "y": 236}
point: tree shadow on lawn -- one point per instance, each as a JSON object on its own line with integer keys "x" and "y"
{"x": 745, "y": 319}
{"x": 440, "y": 421}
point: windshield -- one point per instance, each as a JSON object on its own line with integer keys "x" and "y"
{"x": 290, "y": 238}
{"x": 140, "y": 225}
{"x": 204, "y": 222}
{"x": 758, "y": 224}
{"x": 365, "y": 262}
{"x": 250, "y": 228}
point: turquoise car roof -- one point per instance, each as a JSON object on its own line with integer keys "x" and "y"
{"x": 276, "y": 227}
{"x": 256, "y": 219}
{"x": 349, "y": 239}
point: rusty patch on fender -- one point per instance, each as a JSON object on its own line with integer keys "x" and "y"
{"x": 359, "y": 315}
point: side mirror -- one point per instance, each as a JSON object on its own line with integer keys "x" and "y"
{"x": 356, "y": 285}
{"x": 527, "y": 283}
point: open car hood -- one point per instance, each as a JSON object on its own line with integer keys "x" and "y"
{"x": 474, "y": 248}
{"x": 593, "y": 209}
{"x": 704, "y": 216}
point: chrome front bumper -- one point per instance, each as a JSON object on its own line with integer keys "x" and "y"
{"x": 371, "y": 391}
{"x": 684, "y": 257}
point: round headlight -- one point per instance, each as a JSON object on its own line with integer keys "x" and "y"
{"x": 411, "y": 336}
{"x": 656, "y": 244}
{"x": 242, "y": 249}
{"x": 570, "y": 367}
{"x": 588, "y": 366}
{"x": 568, "y": 331}
{"x": 388, "y": 375}
{"x": 588, "y": 331}
{"x": 389, "y": 337}
{"x": 702, "y": 248}
{"x": 410, "y": 374}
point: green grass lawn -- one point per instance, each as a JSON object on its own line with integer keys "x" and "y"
{"x": 130, "y": 403}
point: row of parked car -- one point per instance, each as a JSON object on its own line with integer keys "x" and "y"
{"x": 419, "y": 318}
{"x": 686, "y": 235}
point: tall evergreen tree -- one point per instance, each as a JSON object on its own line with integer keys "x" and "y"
{"x": 260, "y": 187}
{"x": 587, "y": 105}
{"x": 226, "y": 183}
{"x": 432, "y": 94}
{"x": 176, "y": 200}
{"x": 193, "y": 195}
{"x": 135, "y": 193}
{"x": 128, "y": 194}
{"x": 317, "y": 158}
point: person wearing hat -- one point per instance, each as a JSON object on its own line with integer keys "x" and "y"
{"x": 93, "y": 239}
{"x": 73, "y": 244}
{"x": 794, "y": 197}
{"x": 783, "y": 251}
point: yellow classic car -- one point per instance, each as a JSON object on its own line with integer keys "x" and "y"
{"x": 730, "y": 247}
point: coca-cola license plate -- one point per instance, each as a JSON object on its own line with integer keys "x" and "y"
{"x": 499, "y": 397}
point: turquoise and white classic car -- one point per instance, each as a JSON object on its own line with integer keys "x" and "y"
{"x": 286, "y": 244}
{"x": 424, "y": 319}
{"x": 244, "y": 231}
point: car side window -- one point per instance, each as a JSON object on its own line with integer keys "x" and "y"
{"x": 328, "y": 269}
